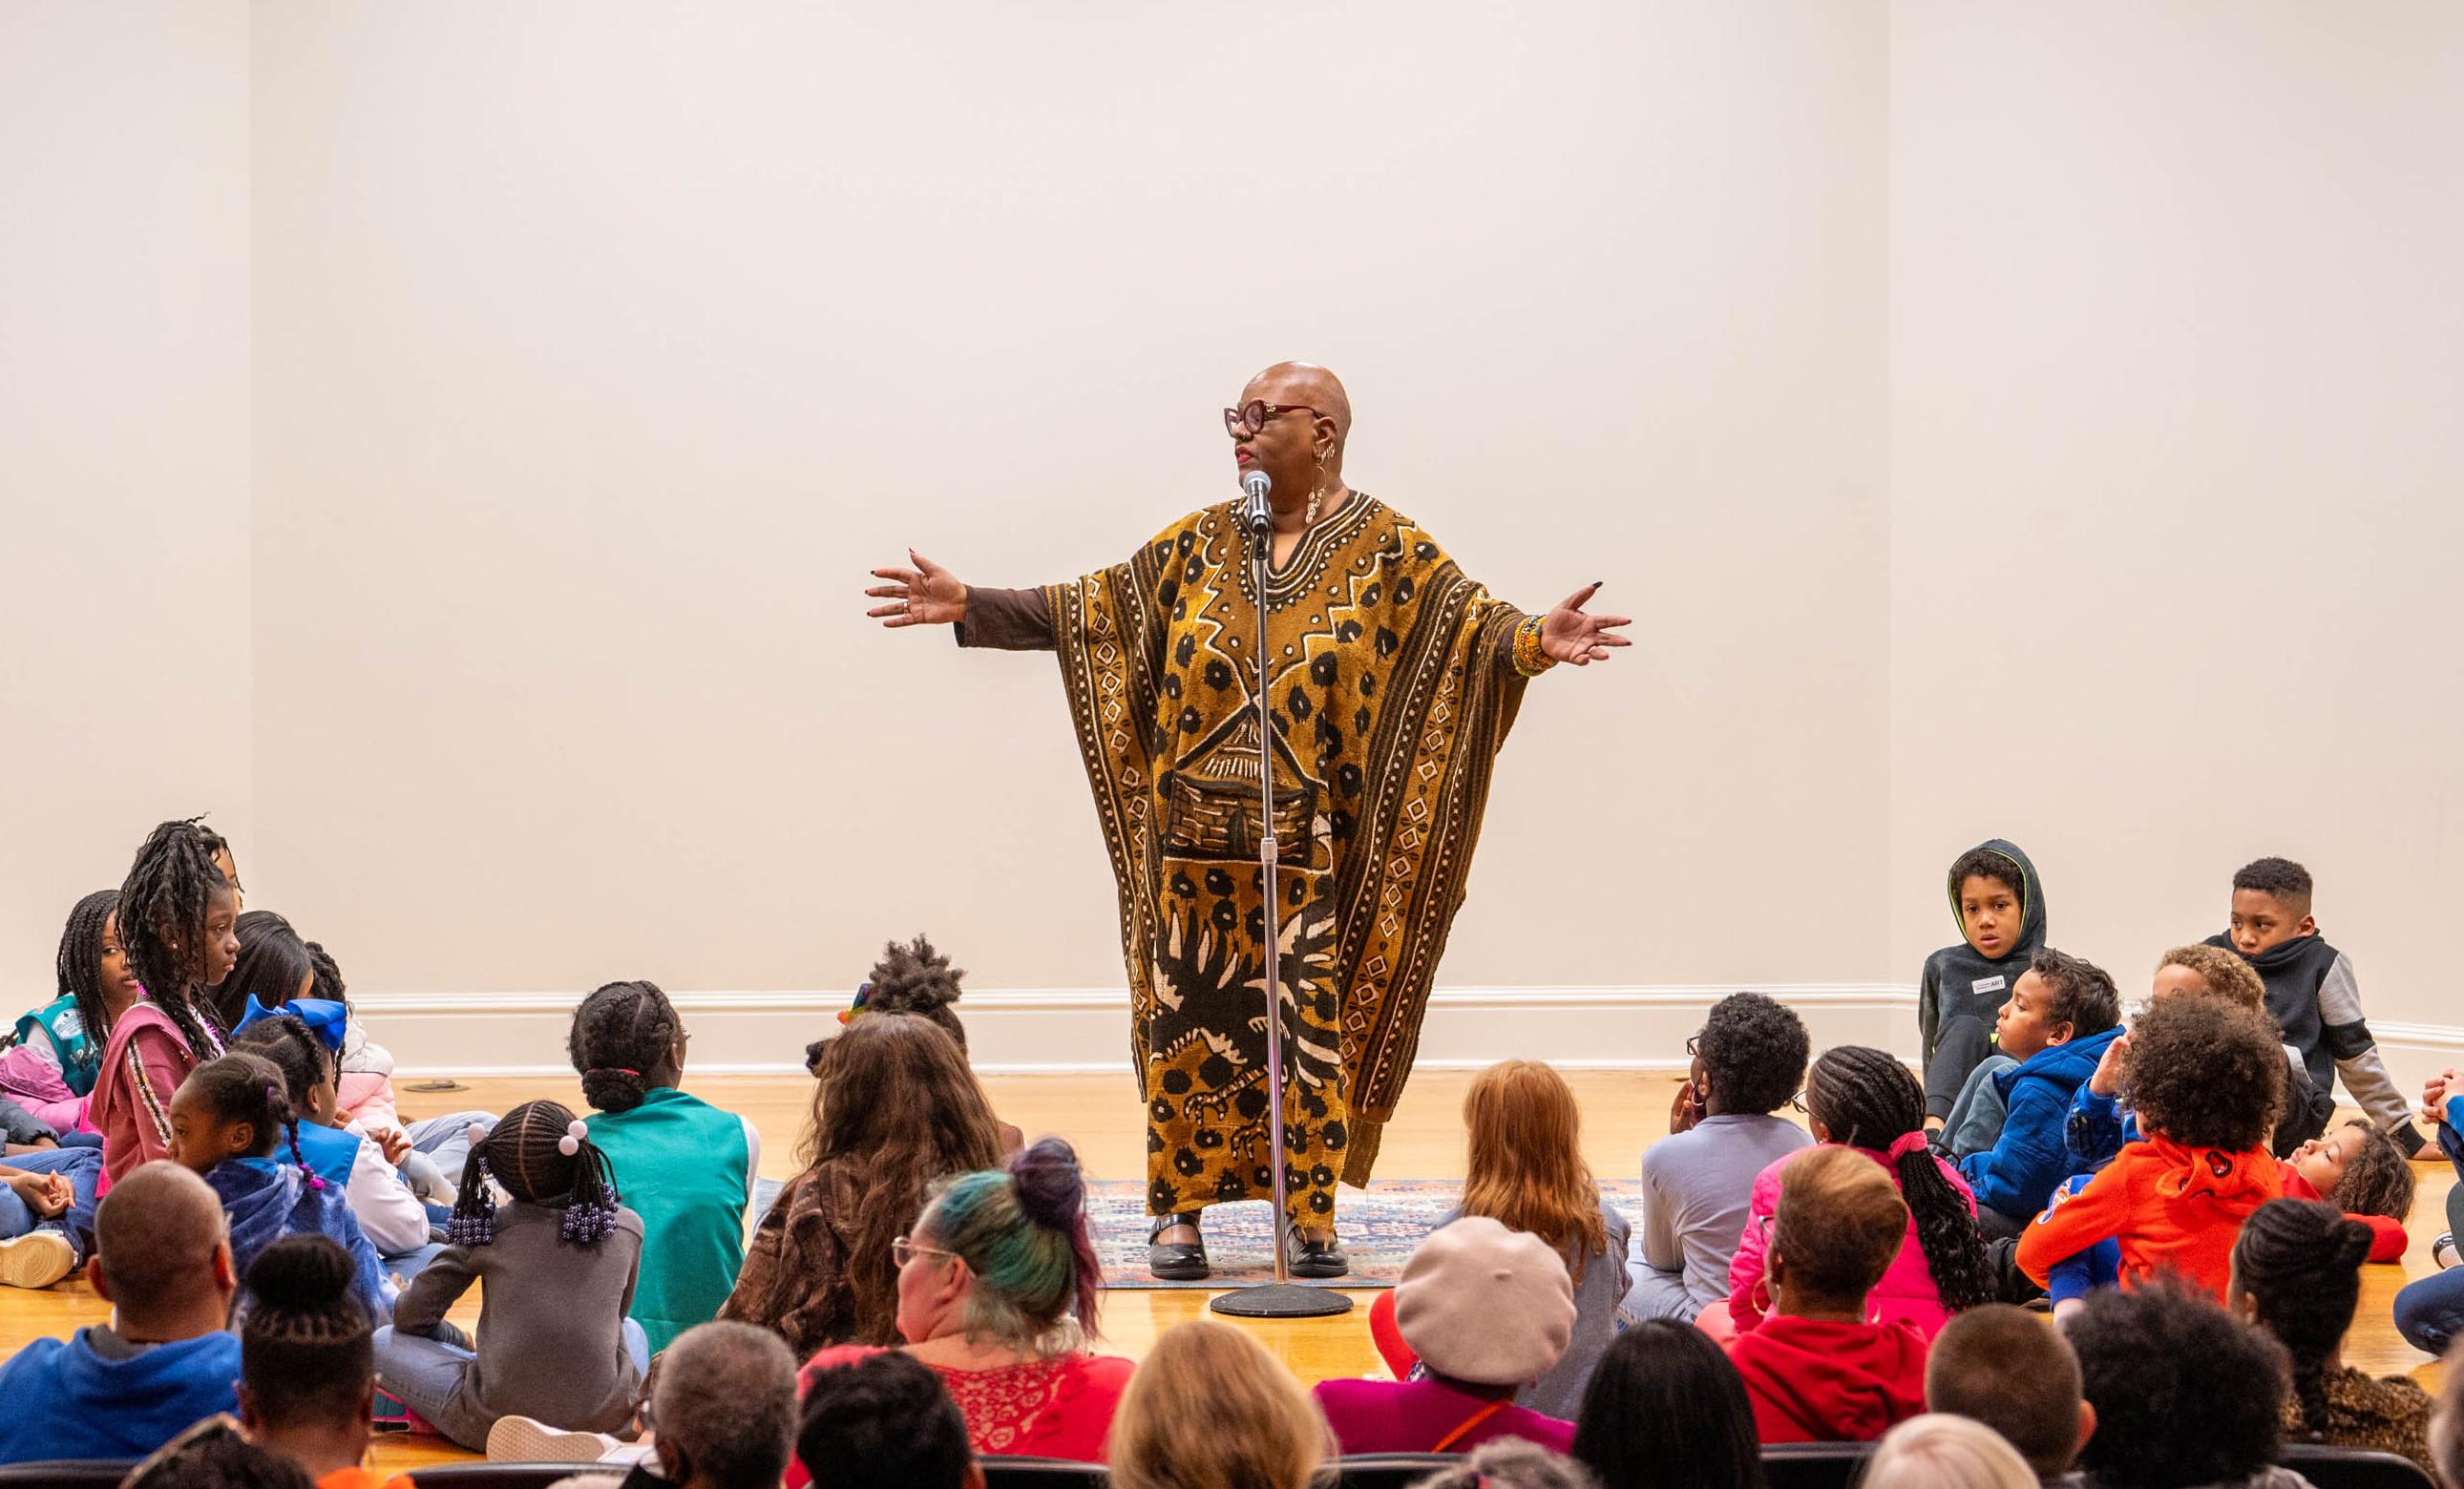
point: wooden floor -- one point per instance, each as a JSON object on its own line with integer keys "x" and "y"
{"x": 1102, "y": 1117}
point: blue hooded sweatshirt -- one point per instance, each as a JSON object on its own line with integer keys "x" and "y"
{"x": 2018, "y": 1173}
{"x": 267, "y": 1200}
{"x": 91, "y": 1395}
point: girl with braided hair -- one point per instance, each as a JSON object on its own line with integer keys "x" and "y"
{"x": 177, "y": 918}
{"x": 307, "y": 1363}
{"x": 233, "y": 1126}
{"x": 1864, "y": 1098}
{"x": 2297, "y": 1273}
{"x": 687, "y": 1165}
{"x": 559, "y": 1264}
{"x": 51, "y": 1063}
{"x": 391, "y": 1216}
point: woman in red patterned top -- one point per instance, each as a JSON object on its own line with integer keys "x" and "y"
{"x": 996, "y": 1290}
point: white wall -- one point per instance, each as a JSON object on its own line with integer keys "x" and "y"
{"x": 124, "y": 658}
{"x": 2177, "y": 352}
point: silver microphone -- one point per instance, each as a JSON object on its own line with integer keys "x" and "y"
{"x": 1257, "y": 514}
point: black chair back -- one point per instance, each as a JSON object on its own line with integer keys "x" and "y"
{"x": 1023, "y": 1472}
{"x": 1391, "y": 1470}
{"x": 2329, "y": 1467}
{"x": 507, "y": 1475}
{"x": 67, "y": 1473}
{"x": 1815, "y": 1465}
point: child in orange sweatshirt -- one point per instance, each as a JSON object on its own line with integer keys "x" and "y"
{"x": 2207, "y": 1079}
{"x": 1817, "y": 1371}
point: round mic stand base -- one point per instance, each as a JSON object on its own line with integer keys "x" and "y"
{"x": 1282, "y": 1301}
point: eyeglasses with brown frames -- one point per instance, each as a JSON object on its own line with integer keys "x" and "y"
{"x": 1252, "y": 416}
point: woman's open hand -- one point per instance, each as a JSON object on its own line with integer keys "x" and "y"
{"x": 925, "y": 595}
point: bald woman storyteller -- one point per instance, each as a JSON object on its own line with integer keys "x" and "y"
{"x": 1392, "y": 679}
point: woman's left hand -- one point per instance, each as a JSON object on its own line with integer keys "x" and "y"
{"x": 1569, "y": 635}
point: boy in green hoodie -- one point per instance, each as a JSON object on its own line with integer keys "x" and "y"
{"x": 1999, "y": 907}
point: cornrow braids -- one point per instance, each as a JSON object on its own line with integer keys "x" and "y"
{"x": 329, "y": 976}
{"x": 541, "y": 1155}
{"x": 163, "y": 904}
{"x": 623, "y": 1034}
{"x": 306, "y": 1347}
{"x": 80, "y": 964}
{"x": 1867, "y": 1099}
{"x": 287, "y": 1043}
{"x": 2300, "y": 1262}
{"x": 245, "y": 1086}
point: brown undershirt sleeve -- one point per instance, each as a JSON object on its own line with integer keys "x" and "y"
{"x": 1006, "y": 620}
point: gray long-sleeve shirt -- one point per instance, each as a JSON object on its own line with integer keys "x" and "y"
{"x": 1697, "y": 1187}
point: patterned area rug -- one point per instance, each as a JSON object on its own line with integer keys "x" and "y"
{"x": 1379, "y": 1228}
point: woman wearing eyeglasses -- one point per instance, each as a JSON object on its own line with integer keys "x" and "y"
{"x": 1393, "y": 681}
{"x": 997, "y": 1291}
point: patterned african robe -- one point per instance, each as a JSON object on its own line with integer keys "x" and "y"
{"x": 1392, "y": 683}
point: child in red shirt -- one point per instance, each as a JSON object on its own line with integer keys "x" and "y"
{"x": 1817, "y": 1371}
{"x": 2208, "y": 1079}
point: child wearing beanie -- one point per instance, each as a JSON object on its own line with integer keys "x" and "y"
{"x": 1488, "y": 1311}
{"x": 1817, "y": 1371}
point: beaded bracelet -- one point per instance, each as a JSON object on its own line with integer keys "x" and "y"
{"x": 1529, "y": 659}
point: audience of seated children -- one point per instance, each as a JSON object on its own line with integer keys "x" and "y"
{"x": 997, "y": 1286}
{"x": 307, "y": 1373}
{"x": 176, "y": 915}
{"x": 556, "y": 1266}
{"x": 894, "y": 1109}
{"x": 884, "y": 1423}
{"x": 1668, "y": 1410}
{"x": 388, "y": 1213}
{"x": 1486, "y": 1310}
{"x": 725, "y": 1405}
{"x": 1210, "y": 1406}
{"x": 228, "y": 1119}
{"x": 1998, "y": 905}
{"x": 2297, "y": 1273}
{"x": 2429, "y": 1310}
{"x": 917, "y": 979}
{"x": 2206, "y": 1078}
{"x": 1865, "y": 1100}
{"x": 2060, "y": 1016}
{"x": 1698, "y": 1183}
{"x": 2314, "y": 996}
{"x": 1816, "y": 1369}
{"x": 687, "y": 1167}
{"x": 53, "y": 1059}
{"x": 122, "y": 1389}
{"x": 1510, "y": 1463}
{"x": 2183, "y": 1393}
{"x": 1945, "y": 1452}
{"x": 1525, "y": 1171}
{"x": 2014, "y": 1372}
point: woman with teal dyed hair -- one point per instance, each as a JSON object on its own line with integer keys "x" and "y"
{"x": 997, "y": 1292}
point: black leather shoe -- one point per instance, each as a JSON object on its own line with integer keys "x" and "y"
{"x": 1176, "y": 1263}
{"x": 1306, "y": 1257}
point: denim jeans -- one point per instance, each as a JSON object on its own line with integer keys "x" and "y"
{"x": 82, "y": 1166}
{"x": 424, "y": 1375}
{"x": 2430, "y": 1313}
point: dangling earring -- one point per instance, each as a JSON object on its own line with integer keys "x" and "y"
{"x": 1317, "y": 493}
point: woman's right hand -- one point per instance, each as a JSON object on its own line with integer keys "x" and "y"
{"x": 925, "y": 595}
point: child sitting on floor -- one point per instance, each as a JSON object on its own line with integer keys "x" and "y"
{"x": 391, "y": 1216}
{"x": 2206, "y": 1078}
{"x": 1815, "y": 1370}
{"x": 176, "y": 917}
{"x": 1865, "y": 1101}
{"x": 1698, "y": 1183}
{"x": 557, "y": 1267}
{"x": 54, "y": 1057}
{"x": 687, "y": 1166}
{"x": 2297, "y": 1273}
{"x": 226, "y": 1120}
{"x": 2058, "y": 1020}
{"x": 1999, "y": 906}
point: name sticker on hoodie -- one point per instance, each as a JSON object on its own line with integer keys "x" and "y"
{"x": 1992, "y": 984}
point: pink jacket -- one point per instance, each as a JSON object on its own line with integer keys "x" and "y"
{"x": 1906, "y": 1293}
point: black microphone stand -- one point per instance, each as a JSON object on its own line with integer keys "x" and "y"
{"x": 1283, "y": 1298}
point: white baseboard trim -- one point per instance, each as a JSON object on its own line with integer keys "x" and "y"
{"x": 1078, "y": 1030}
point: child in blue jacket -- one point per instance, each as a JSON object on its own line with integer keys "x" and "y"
{"x": 2060, "y": 1016}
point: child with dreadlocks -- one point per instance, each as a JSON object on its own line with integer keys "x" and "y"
{"x": 54, "y": 1057}
{"x": 559, "y": 1265}
{"x": 687, "y": 1165}
{"x": 227, "y": 1121}
{"x": 2297, "y": 1273}
{"x": 177, "y": 918}
{"x": 307, "y": 1363}
{"x": 392, "y": 1217}
{"x": 1865, "y": 1101}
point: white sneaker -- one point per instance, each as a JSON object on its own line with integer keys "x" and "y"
{"x": 2442, "y": 1251}
{"x": 38, "y": 1258}
{"x": 522, "y": 1439}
